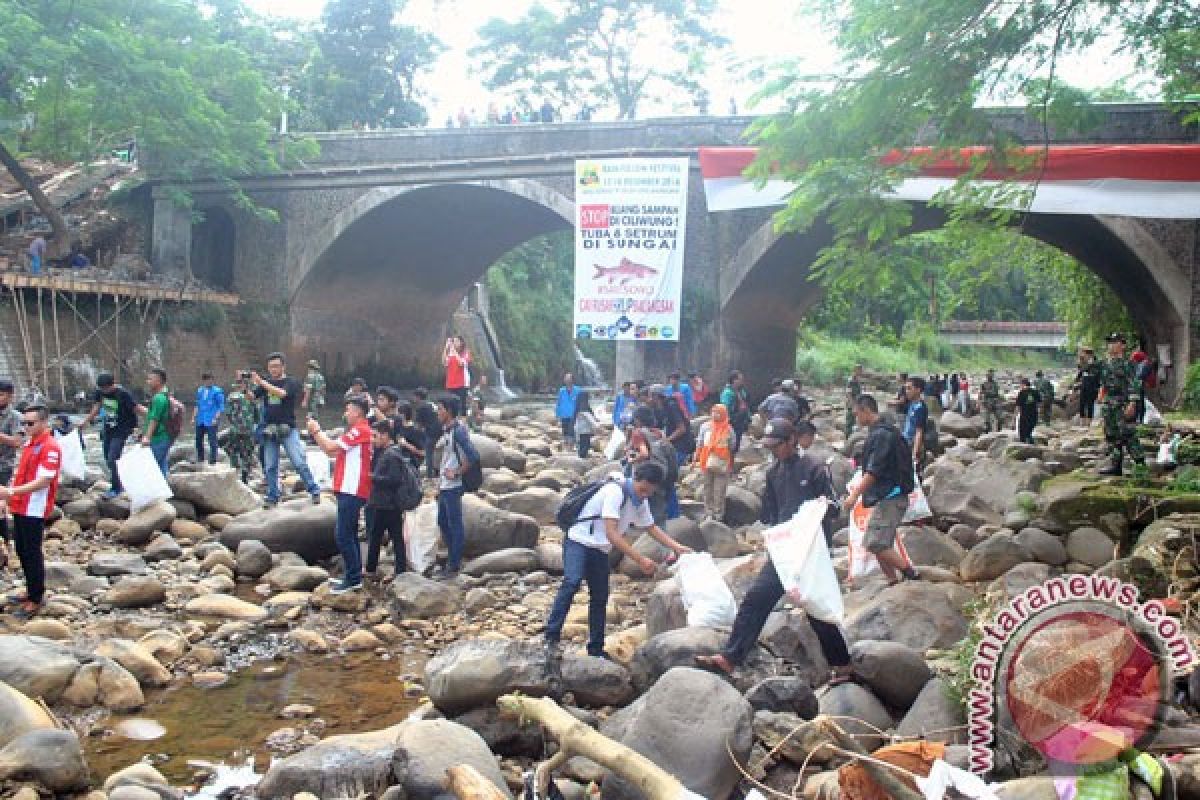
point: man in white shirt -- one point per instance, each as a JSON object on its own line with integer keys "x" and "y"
{"x": 601, "y": 526}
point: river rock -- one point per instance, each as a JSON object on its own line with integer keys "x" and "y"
{"x": 135, "y": 591}
{"x": 417, "y": 597}
{"x": 347, "y": 603}
{"x": 1044, "y": 547}
{"x": 510, "y": 559}
{"x": 993, "y": 557}
{"x": 472, "y": 673}
{"x": 689, "y": 723}
{"x": 1090, "y": 546}
{"x": 490, "y": 529}
{"x": 350, "y": 765}
{"x": 425, "y": 749}
{"x": 140, "y": 775}
{"x": 501, "y": 481}
{"x": 85, "y": 511}
{"x": 550, "y": 557}
{"x": 48, "y": 629}
{"x": 286, "y": 578}
{"x": 742, "y": 507}
{"x": 596, "y": 681}
{"x": 141, "y": 527}
{"x": 104, "y": 682}
{"x": 296, "y": 526}
{"x": 61, "y": 574}
{"x": 20, "y": 715}
{"x": 253, "y": 559}
{"x": 928, "y": 547}
{"x": 536, "y": 501}
{"x": 786, "y": 693}
{"x": 920, "y": 615}
{"x": 163, "y": 548}
{"x": 980, "y": 493}
{"x": 165, "y": 645}
{"x": 934, "y": 716}
{"x": 138, "y": 661}
{"x": 491, "y": 453}
{"x": 854, "y": 705}
{"x": 223, "y": 606}
{"x": 675, "y": 648}
{"x": 214, "y": 489}
{"x": 51, "y": 758}
{"x": 37, "y": 667}
{"x": 960, "y": 427}
{"x": 719, "y": 539}
{"x": 1020, "y": 578}
{"x": 515, "y": 461}
{"x": 895, "y": 672}
{"x": 110, "y": 565}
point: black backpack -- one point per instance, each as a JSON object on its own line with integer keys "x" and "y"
{"x": 576, "y": 500}
{"x": 470, "y": 466}
{"x": 408, "y": 494}
{"x": 663, "y": 453}
{"x": 904, "y": 462}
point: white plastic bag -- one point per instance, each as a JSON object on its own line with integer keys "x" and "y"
{"x": 421, "y": 537}
{"x": 1153, "y": 417}
{"x": 918, "y": 503}
{"x": 862, "y": 561}
{"x": 74, "y": 465}
{"x": 615, "y": 443}
{"x": 798, "y": 551}
{"x": 318, "y": 465}
{"x": 142, "y": 479}
{"x": 1166, "y": 451}
{"x": 708, "y": 601}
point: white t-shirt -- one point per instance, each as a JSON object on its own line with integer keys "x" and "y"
{"x": 611, "y": 502}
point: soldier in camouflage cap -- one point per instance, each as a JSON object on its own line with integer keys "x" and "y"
{"x": 990, "y": 401}
{"x": 1118, "y": 379}
{"x": 243, "y": 417}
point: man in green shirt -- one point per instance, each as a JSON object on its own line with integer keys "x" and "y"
{"x": 155, "y": 434}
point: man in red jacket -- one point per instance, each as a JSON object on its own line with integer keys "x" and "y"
{"x": 351, "y": 485}
{"x": 31, "y": 500}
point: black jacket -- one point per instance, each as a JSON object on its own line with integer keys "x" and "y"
{"x": 790, "y": 484}
{"x": 389, "y": 471}
{"x": 887, "y": 456}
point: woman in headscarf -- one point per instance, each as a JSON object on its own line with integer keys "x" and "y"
{"x": 714, "y": 456}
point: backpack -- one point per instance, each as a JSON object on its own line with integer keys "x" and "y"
{"x": 931, "y": 434}
{"x": 904, "y": 466}
{"x": 663, "y": 453}
{"x": 175, "y": 414}
{"x": 470, "y": 469}
{"x": 408, "y": 494}
{"x": 576, "y": 500}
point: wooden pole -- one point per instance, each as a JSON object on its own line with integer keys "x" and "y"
{"x": 466, "y": 783}
{"x": 62, "y": 379}
{"x": 45, "y": 386}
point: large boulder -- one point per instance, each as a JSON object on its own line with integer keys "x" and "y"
{"x": 350, "y": 765}
{"x": 536, "y": 501}
{"x": 139, "y": 662}
{"x": 253, "y": 559}
{"x": 490, "y": 529}
{"x": 928, "y": 547}
{"x": 214, "y": 489}
{"x": 51, "y": 758}
{"x": 920, "y": 615}
{"x": 960, "y": 427}
{"x": 934, "y": 716}
{"x": 982, "y": 492}
{"x": 1090, "y": 546}
{"x": 418, "y": 597}
{"x": 1044, "y": 547}
{"x": 36, "y": 666}
{"x": 895, "y": 672}
{"x": 674, "y": 648}
{"x": 20, "y": 715}
{"x": 511, "y": 559}
{"x": 993, "y": 557}
{"x": 859, "y": 712}
{"x": 296, "y": 526}
{"x": 692, "y": 724}
{"x": 425, "y": 749}
{"x": 104, "y": 682}
{"x": 136, "y": 591}
{"x": 141, "y": 527}
{"x": 491, "y": 452}
{"x": 742, "y": 507}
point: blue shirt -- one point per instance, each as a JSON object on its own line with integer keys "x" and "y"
{"x": 914, "y": 420}
{"x": 210, "y": 402}
{"x": 565, "y": 407}
{"x": 686, "y": 391}
{"x": 623, "y": 408}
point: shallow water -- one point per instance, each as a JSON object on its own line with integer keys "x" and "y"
{"x": 226, "y": 727}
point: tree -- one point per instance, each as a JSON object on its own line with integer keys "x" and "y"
{"x": 366, "y": 65}
{"x": 95, "y": 74}
{"x": 921, "y": 76}
{"x": 613, "y": 53}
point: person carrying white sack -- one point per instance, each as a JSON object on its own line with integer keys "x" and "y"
{"x": 793, "y": 480}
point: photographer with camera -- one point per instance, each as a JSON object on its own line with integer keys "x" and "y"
{"x": 279, "y": 394}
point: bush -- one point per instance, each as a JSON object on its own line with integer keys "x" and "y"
{"x": 1191, "y": 388}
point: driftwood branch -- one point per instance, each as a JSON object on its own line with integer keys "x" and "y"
{"x": 885, "y": 776}
{"x": 466, "y": 783}
{"x": 577, "y": 739}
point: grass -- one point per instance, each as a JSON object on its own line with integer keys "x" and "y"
{"x": 824, "y": 360}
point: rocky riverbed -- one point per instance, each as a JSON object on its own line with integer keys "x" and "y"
{"x": 197, "y": 640}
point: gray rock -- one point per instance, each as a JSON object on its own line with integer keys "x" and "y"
{"x": 920, "y": 615}
{"x": 1021, "y": 577}
{"x": 141, "y": 527}
{"x": 253, "y": 559}
{"x": 417, "y": 597}
{"x": 1090, "y": 546}
{"x": 85, "y": 511}
{"x": 491, "y": 453}
{"x": 785, "y": 694}
{"x": 993, "y": 557}
{"x": 296, "y": 526}
{"x": 425, "y": 749}
{"x": 36, "y": 666}
{"x": 895, "y": 672}
{"x": 981, "y": 492}
{"x": 550, "y": 557}
{"x": 688, "y": 723}
{"x": 505, "y": 735}
{"x": 719, "y": 539}
{"x": 479, "y": 599}
{"x": 20, "y": 715}
{"x": 61, "y": 574}
{"x": 52, "y": 758}
{"x": 1044, "y": 547}
{"x": 675, "y": 648}
{"x": 742, "y": 507}
{"x": 510, "y": 559}
{"x": 472, "y": 673}
{"x": 927, "y": 546}
{"x": 686, "y": 531}
{"x": 163, "y": 548}
{"x": 934, "y": 716}
{"x": 109, "y": 565}
{"x": 136, "y": 591}
{"x": 967, "y": 536}
{"x": 596, "y": 681}
{"x": 858, "y": 706}
{"x": 291, "y": 578}
{"x": 351, "y": 765}
{"x": 536, "y": 501}
{"x": 664, "y": 608}
{"x": 959, "y": 426}
{"x": 214, "y": 489}
{"x": 490, "y": 529}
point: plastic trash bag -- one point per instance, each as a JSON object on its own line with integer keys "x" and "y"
{"x": 142, "y": 479}
{"x": 798, "y": 551}
{"x": 318, "y": 465}
{"x": 615, "y": 444}
{"x": 74, "y": 465}
{"x": 1153, "y": 417}
{"x": 862, "y": 562}
{"x": 708, "y": 601}
{"x": 421, "y": 537}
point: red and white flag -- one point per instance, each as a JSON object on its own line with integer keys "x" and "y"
{"x": 1154, "y": 180}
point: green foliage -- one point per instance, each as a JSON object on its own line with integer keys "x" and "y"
{"x": 1191, "y": 388}
{"x": 959, "y": 681}
{"x": 1186, "y": 480}
{"x": 611, "y": 54}
{"x": 1188, "y": 452}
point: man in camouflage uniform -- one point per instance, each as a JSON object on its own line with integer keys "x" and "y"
{"x": 1118, "y": 379}
{"x": 1046, "y": 389}
{"x": 243, "y": 417}
{"x": 990, "y": 400}
{"x": 314, "y": 389}
{"x": 853, "y": 390}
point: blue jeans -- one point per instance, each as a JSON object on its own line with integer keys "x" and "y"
{"x": 161, "y": 450}
{"x": 35, "y": 265}
{"x": 113, "y": 445}
{"x": 581, "y": 563}
{"x": 295, "y": 454}
{"x": 206, "y": 432}
{"x": 450, "y": 522}
{"x": 348, "y": 508}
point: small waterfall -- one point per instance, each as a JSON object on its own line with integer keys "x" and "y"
{"x": 587, "y": 373}
{"x": 500, "y": 387}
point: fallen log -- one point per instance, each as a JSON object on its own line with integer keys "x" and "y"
{"x": 466, "y": 783}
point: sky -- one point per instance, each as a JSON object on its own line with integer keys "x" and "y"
{"x": 772, "y": 32}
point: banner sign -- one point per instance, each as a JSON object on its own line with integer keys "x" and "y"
{"x": 630, "y": 217}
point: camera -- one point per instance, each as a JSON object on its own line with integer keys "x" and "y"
{"x": 244, "y": 374}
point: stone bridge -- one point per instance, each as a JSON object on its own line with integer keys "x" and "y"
{"x": 381, "y": 236}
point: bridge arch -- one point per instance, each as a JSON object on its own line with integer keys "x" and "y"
{"x": 397, "y": 262}
{"x": 766, "y": 291}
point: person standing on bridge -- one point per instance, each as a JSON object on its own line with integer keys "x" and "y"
{"x": 456, "y": 358}
{"x": 279, "y": 394}
{"x": 37, "y": 254}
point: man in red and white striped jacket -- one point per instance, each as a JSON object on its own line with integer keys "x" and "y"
{"x": 351, "y": 484}
{"x": 31, "y": 500}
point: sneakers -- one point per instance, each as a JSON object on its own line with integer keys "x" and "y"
{"x": 271, "y": 502}
{"x": 316, "y": 499}
{"x": 341, "y": 587}
{"x": 111, "y": 494}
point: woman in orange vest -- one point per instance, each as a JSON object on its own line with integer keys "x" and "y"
{"x": 714, "y": 456}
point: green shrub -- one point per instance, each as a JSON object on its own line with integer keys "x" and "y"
{"x": 1191, "y": 388}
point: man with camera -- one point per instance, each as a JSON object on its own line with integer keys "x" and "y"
{"x": 279, "y": 394}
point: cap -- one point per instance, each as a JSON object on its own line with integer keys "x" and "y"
{"x": 1116, "y": 336}
{"x": 314, "y": 364}
{"x": 788, "y": 384}
{"x": 359, "y": 382}
{"x": 778, "y": 430}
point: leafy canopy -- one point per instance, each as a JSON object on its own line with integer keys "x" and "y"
{"x": 613, "y": 53}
